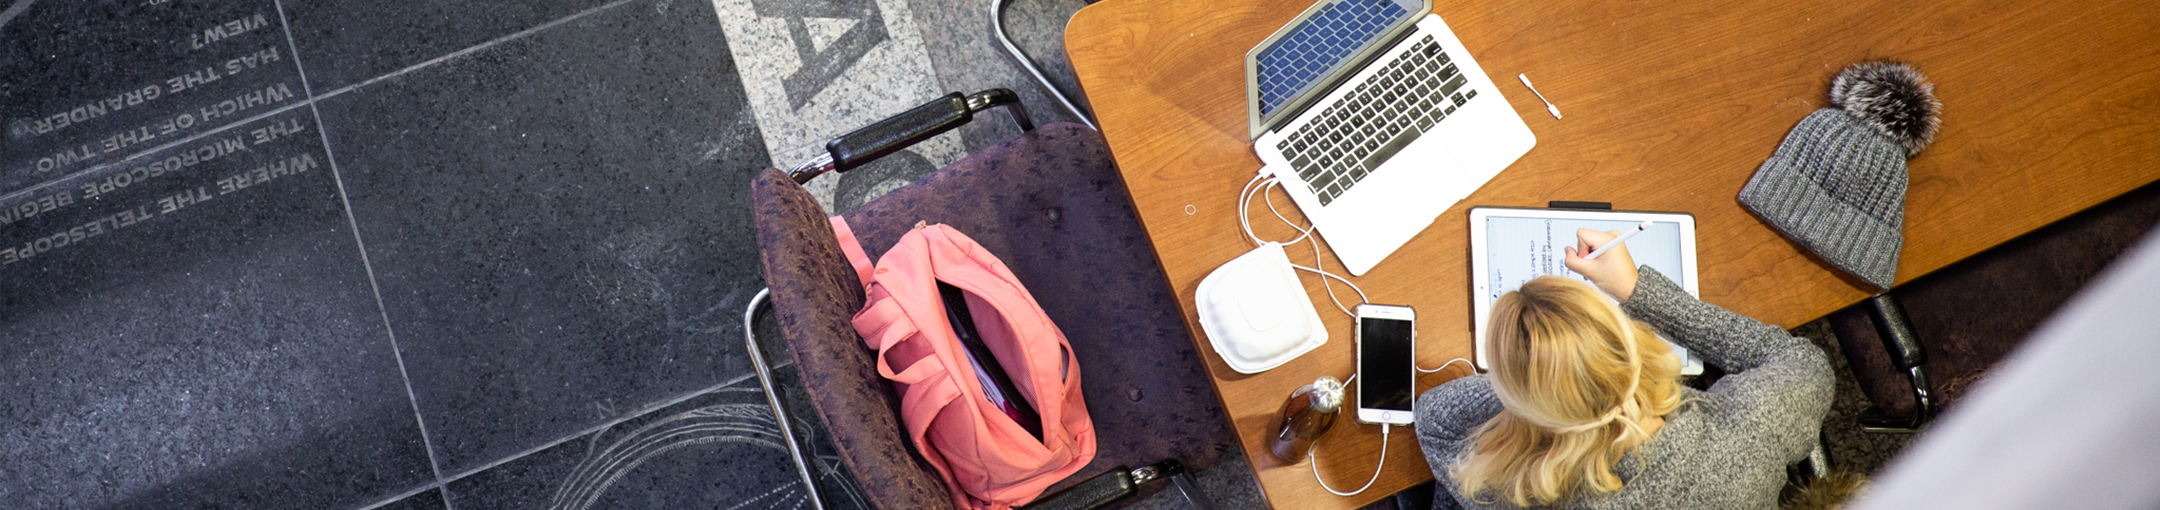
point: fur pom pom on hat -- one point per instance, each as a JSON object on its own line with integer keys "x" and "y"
{"x": 1891, "y": 97}
{"x": 1837, "y": 183}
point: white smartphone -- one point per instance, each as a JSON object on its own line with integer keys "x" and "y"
{"x": 1387, "y": 363}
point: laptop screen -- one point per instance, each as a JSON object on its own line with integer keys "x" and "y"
{"x": 1328, "y": 39}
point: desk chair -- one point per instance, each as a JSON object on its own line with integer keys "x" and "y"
{"x": 1050, "y": 204}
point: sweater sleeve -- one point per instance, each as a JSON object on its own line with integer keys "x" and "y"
{"x": 1447, "y": 413}
{"x": 1729, "y": 340}
{"x": 1776, "y": 383}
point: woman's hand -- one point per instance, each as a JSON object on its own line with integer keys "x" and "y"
{"x": 1613, "y": 272}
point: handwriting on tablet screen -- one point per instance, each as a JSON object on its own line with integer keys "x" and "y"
{"x": 1520, "y": 249}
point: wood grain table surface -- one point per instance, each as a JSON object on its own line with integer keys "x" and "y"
{"x": 2049, "y": 107}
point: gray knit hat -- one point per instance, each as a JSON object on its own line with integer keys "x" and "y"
{"x": 1837, "y": 183}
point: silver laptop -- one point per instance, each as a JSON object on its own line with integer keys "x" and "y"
{"x": 1376, "y": 120}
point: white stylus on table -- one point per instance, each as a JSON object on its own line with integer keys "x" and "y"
{"x": 1540, "y": 96}
{"x": 1617, "y": 240}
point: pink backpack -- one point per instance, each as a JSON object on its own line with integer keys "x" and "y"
{"x": 986, "y": 458}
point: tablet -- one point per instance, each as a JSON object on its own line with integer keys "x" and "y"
{"x": 1509, "y": 246}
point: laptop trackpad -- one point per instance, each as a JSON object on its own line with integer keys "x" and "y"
{"x": 1423, "y": 166}
{"x": 1486, "y": 137}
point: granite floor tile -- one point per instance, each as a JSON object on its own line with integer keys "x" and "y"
{"x": 717, "y": 450}
{"x": 348, "y": 41}
{"x": 194, "y": 328}
{"x": 185, "y": 313}
{"x": 558, "y": 223}
{"x": 88, "y": 84}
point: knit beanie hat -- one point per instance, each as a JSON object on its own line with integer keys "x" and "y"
{"x": 1837, "y": 183}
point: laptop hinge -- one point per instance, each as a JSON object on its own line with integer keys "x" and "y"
{"x": 1298, "y": 109}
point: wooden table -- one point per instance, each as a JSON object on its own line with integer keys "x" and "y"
{"x": 2050, "y": 107}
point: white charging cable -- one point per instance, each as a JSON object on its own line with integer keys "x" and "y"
{"x": 1313, "y": 455}
{"x": 1443, "y": 366}
{"x": 1245, "y": 219}
{"x": 1258, "y": 186}
{"x": 1368, "y": 483}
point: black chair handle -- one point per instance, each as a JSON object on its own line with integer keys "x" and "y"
{"x": 1097, "y": 492}
{"x": 897, "y": 132}
{"x": 1119, "y": 483}
{"x": 1895, "y": 331}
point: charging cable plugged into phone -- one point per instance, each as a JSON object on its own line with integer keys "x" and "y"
{"x": 1387, "y": 368}
{"x": 1386, "y": 378}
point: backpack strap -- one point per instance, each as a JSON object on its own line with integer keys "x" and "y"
{"x": 928, "y": 390}
{"x": 864, "y": 269}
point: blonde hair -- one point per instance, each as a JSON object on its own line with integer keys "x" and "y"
{"x": 1576, "y": 378}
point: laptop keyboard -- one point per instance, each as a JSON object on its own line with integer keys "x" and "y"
{"x": 1323, "y": 42}
{"x": 1346, "y": 141}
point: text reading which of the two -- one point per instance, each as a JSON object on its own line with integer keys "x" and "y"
{"x": 184, "y": 121}
{"x": 136, "y": 97}
{"x": 208, "y": 151}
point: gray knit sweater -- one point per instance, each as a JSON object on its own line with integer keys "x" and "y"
{"x": 1726, "y": 448}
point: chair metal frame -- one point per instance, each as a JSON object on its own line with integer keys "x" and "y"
{"x": 1020, "y": 58}
{"x": 772, "y": 396}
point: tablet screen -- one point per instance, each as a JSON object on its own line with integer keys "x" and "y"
{"x": 1518, "y": 249}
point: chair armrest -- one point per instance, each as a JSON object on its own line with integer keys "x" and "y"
{"x": 1097, "y": 492}
{"x": 1895, "y": 331}
{"x": 1119, "y": 483}
{"x": 1907, "y": 354}
{"x": 897, "y": 132}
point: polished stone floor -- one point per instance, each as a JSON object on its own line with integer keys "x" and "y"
{"x": 341, "y": 254}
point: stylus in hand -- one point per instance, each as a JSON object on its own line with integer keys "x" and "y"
{"x": 1617, "y": 240}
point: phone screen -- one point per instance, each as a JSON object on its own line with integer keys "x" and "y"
{"x": 1384, "y": 364}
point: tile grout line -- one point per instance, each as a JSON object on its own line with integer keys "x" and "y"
{"x": 433, "y": 464}
{"x": 397, "y": 353}
{"x": 565, "y": 439}
{"x": 477, "y": 47}
{"x": 312, "y": 98}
